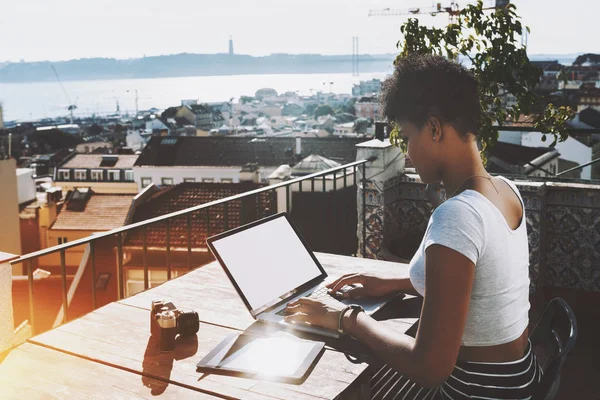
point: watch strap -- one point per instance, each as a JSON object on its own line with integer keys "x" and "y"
{"x": 349, "y": 307}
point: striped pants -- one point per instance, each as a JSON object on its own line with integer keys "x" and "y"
{"x": 469, "y": 380}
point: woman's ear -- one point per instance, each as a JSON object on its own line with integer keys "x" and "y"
{"x": 436, "y": 128}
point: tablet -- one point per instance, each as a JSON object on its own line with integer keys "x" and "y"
{"x": 281, "y": 357}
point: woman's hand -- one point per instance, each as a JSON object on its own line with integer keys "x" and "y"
{"x": 324, "y": 312}
{"x": 365, "y": 285}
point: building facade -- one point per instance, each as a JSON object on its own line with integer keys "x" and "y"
{"x": 368, "y": 107}
{"x": 104, "y": 173}
{"x": 171, "y": 161}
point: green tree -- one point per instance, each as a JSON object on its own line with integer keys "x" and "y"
{"x": 324, "y": 109}
{"x": 491, "y": 42}
{"x": 361, "y": 125}
{"x": 246, "y": 99}
{"x": 348, "y": 107}
{"x": 310, "y": 109}
{"x": 343, "y": 117}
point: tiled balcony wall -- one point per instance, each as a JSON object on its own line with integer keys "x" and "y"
{"x": 563, "y": 222}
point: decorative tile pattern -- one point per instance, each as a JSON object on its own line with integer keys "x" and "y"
{"x": 573, "y": 251}
{"x": 563, "y": 225}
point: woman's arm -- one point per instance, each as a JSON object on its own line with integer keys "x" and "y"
{"x": 403, "y": 285}
{"x": 429, "y": 358}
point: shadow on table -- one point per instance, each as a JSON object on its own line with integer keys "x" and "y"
{"x": 157, "y": 366}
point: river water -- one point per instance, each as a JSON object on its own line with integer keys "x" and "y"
{"x": 36, "y": 100}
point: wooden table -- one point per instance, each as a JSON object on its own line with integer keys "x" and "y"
{"x": 114, "y": 342}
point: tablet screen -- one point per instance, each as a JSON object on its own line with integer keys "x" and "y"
{"x": 275, "y": 356}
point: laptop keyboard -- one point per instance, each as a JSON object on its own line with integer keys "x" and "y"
{"x": 317, "y": 294}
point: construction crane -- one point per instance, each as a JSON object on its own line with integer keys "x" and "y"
{"x": 452, "y": 9}
{"x": 71, "y": 107}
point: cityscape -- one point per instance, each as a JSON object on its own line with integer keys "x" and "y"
{"x": 115, "y": 173}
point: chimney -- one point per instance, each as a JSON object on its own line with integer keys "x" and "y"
{"x": 298, "y": 146}
{"x": 249, "y": 173}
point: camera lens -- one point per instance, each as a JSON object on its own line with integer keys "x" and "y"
{"x": 188, "y": 323}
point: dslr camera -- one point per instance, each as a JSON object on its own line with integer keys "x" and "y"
{"x": 167, "y": 321}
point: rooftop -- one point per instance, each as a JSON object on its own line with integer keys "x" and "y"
{"x": 186, "y": 195}
{"x": 237, "y": 151}
{"x": 102, "y": 212}
{"x": 312, "y": 164}
{"x": 123, "y": 161}
{"x": 514, "y": 154}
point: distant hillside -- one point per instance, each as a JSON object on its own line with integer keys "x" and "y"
{"x": 190, "y": 65}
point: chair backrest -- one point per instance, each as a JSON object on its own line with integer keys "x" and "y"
{"x": 552, "y": 339}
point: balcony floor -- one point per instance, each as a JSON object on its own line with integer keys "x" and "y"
{"x": 581, "y": 373}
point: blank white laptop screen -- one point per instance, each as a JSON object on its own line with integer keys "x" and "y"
{"x": 267, "y": 260}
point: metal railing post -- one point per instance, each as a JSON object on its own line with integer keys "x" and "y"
{"x": 145, "y": 256}
{"x": 189, "y": 240}
{"x": 120, "y": 277}
{"x": 168, "y": 238}
{"x": 29, "y": 267}
{"x": 334, "y": 182}
{"x": 93, "y": 257}
{"x": 208, "y": 230}
{"x": 345, "y": 176}
{"x": 364, "y": 210}
{"x": 63, "y": 274}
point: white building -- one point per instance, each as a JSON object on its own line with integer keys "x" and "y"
{"x": 158, "y": 125}
{"x": 25, "y": 185}
{"x": 570, "y": 150}
{"x": 367, "y": 87}
{"x": 136, "y": 140}
{"x": 344, "y": 129}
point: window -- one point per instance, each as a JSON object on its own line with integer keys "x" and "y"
{"x": 64, "y": 174}
{"x": 226, "y": 180}
{"x": 146, "y": 182}
{"x": 208, "y": 180}
{"x": 80, "y": 174}
{"x": 97, "y": 175}
{"x": 135, "y": 279}
{"x": 114, "y": 175}
{"x": 167, "y": 181}
{"x": 62, "y": 240}
{"x": 189, "y": 179}
{"x": 129, "y": 176}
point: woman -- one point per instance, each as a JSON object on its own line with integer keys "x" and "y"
{"x": 472, "y": 267}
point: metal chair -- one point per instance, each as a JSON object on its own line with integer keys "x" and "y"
{"x": 552, "y": 339}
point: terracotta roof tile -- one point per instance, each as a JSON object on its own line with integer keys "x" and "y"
{"x": 103, "y": 212}
{"x": 186, "y": 195}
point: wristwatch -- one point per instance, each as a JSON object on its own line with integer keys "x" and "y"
{"x": 353, "y": 307}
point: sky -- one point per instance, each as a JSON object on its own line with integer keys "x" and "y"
{"x": 35, "y": 30}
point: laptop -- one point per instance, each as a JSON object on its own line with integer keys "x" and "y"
{"x": 270, "y": 265}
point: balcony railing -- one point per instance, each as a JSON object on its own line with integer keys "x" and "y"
{"x": 27, "y": 260}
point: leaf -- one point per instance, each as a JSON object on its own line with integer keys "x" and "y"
{"x": 499, "y": 62}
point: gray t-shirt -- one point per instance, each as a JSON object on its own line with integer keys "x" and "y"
{"x": 472, "y": 225}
